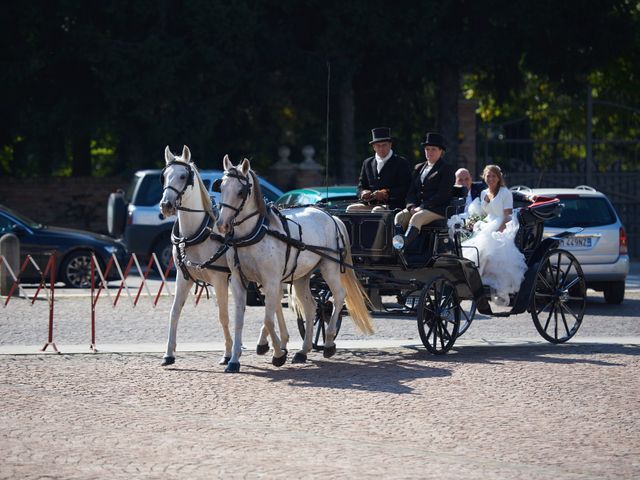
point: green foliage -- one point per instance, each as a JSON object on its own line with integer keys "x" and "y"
{"x": 120, "y": 80}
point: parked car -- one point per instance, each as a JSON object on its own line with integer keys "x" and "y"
{"x": 601, "y": 248}
{"x": 328, "y": 196}
{"x": 73, "y": 248}
{"x": 135, "y": 215}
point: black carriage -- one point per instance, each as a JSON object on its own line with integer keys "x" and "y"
{"x": 433, "y": 281}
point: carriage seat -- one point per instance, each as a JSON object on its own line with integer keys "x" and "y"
{"x": 434, "y": 237}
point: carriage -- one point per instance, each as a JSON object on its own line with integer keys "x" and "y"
{"x": 432, "y": 281}
{"x": 251, "y": 241}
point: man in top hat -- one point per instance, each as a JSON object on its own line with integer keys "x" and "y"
{"x": 429, "y": 193}
{"x": 384, "y": 178}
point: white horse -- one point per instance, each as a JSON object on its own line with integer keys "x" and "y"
{"x": 198, "y": 253}
{"x": 261, "y": 253}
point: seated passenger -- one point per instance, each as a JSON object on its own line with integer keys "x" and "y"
{"x": 463, "y": 177}
{"x": 500, "y": 264}
{"x": 384, "y": 178}
{"x": 429, "y": 193}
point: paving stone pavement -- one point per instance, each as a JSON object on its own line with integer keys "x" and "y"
{"x": 490, "y": 409}
{"x": 515, "y": 412}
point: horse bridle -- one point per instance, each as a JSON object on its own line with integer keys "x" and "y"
{"x": 245, "y": 191}
{"x": 180, "y": 193}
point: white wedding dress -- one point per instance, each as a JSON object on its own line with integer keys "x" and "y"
{"x": 501, "y": 265}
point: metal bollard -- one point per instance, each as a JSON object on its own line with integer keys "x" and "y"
{"x": 10, "y": 250}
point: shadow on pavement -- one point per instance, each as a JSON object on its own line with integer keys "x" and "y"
{"x": 367, "y": 370}
{"x": 569, "y": 353}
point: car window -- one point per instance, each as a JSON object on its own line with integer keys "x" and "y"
{"x": 8, "y": 222}
{"x": 269, "y": 194}
{"x": 149, "y": 191}
{"x": 583, "y": 212}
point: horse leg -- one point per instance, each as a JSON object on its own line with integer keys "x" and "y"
{"x": 282, "y": 325}
{"x": 240, "y": 300}
{"x": 221, "y": 287}
{"x": 303, "y": 294}
{"x": 182, "y": 292}
{"x": 331, "y": 274}
{"x": 273, "y": 297}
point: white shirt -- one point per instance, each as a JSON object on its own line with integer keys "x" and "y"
{"x": 381, "y": 161}
{"x": 425, "y": 171}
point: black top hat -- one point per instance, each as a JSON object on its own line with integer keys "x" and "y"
{"x": 435, "y": 140}
{"x": 381, "y": 134}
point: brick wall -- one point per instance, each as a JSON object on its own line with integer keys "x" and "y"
{"x": 62, "y": 201}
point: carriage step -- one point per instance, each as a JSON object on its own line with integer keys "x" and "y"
{"x": 501, "y": 314}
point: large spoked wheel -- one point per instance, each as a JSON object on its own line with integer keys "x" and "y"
{"x": 559, "y": 296}
{"x": 467, "y": 313}
{"x": 324, "y": 308}
{"x": 438, "y": 315}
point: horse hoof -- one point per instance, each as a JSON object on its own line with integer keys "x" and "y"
{"x": 224, "y": 361}
{"x": 329, "y": 352}
{"x": 278, "y": 362}
{"x": 262, "y": 349}
{"x": 168, "y": 361}
{"x": 299, "y": 357}
{"x": 232, "y": 367}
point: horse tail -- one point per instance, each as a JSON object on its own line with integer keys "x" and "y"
{"x": 356, "y": 297}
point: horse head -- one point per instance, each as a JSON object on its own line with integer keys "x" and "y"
{"x": 238, "y": 189}
{"x": 176, "y": 177}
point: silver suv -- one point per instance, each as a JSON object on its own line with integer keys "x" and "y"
{"x": 135, "y": 214}
{"x": 601, "y": 248}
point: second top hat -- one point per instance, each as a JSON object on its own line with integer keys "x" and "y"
{"x": 435, "y": 140}
{"x": 380, "y": 134}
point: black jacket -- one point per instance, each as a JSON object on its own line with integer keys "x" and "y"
{"x": 395, "y": 176}
{"x": 435, "y": 192}
{"x": 476, "y": 188}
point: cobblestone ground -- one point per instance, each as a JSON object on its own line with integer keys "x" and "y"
{"x": 481, "y": 412}
{"x": 523, "y": 411}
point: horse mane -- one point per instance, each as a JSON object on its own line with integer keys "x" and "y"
{"x": 262, "y": 207}
{"x": 206, "y": 200}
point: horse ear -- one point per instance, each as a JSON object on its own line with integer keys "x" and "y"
{"x": 245, "y": 166}
{"x": 168, "y": 156}
{"x": 226, "y": 163}
{"x": 186, "y": 154}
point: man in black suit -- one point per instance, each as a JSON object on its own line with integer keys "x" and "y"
{"x": 429, "y": 194}
{"x": 463, "y": 177}
{"x": 384, "y": 178}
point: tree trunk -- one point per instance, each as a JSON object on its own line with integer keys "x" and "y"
{"x": 348, "y": 155}
{"x": 449, "y": 93}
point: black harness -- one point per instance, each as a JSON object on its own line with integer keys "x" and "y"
{"x": 204, "y": 232}
{"x": 262, "y": 228}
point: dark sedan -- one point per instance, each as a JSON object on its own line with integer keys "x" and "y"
{"x": 73, "y": 248}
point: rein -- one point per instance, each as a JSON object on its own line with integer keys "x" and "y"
{"x": 204, "y": 232}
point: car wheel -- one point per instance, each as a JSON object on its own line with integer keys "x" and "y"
{"x": 75, "y": 270}
{"x": 164, "y": 251}
{"x": 614, "y": 292}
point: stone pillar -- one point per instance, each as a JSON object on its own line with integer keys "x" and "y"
{"x": 467, "y": 136}
{"x": 283, "y": 173}
{"x": 310, "y": 172}
{"x": 10, "y": 250}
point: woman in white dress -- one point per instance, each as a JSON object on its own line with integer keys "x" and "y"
{"x": 501, "y": 265}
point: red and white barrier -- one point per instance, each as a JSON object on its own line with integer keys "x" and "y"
{"x": 99, "y": 282}
{"x": 50, "y": 274}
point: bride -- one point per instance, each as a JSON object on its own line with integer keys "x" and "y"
{"x": 501, "y": 265}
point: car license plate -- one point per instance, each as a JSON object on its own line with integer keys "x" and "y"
{"x": 577, "y": 242}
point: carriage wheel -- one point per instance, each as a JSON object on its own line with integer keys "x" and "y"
{"x": 324, "y": 308}
{"x": 467, "y": 314}
{"x": 559, "y": 296}
{"x": 438, "y": 315}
